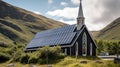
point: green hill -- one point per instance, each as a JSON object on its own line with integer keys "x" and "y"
{"x": 19, "y": 25}
{"x": 111, "y": 31}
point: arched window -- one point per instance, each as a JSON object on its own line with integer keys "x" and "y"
{"x": 84, "y": 44}
{"x": 76, "y": 48}
{"x": 91, "y": 49}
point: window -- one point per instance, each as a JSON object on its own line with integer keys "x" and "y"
{"x": 84, "y": 44}
{"x": 65, "y": 51}
{"x": 76, "y": 48}
{"x": 91, "y": 49}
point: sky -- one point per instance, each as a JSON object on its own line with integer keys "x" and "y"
{"x": 97, "y": 13}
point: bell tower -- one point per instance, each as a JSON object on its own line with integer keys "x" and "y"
{"x": 80, "y": 18}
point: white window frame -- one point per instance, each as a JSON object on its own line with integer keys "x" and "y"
{"x": 65, "y": 51}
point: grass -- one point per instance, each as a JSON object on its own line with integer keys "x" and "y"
{"x": 72, "y": 62}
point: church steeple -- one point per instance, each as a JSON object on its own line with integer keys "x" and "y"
{"x": 80, "y": 18}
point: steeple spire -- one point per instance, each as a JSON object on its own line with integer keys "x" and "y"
{"x": 80, "y": 14}
{"x": 80, "y": 18}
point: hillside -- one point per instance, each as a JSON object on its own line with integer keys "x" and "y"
{"x": 111, "y": 31}
{"x": 19, "y": 25}
{"x": 94, "y": 33}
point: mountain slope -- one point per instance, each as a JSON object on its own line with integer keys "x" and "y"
{"x": 19, "y": 25}
{"x": 94, "y": 33}
{"x": 111, "y": 31}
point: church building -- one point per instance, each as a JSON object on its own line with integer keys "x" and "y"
{"x": 73, "y": 39}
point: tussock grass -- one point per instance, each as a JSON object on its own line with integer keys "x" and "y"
{"x": 72, "y": 62}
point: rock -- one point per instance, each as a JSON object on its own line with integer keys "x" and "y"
{"x": 83, "y": 62}
{"x": 10, "y": 65}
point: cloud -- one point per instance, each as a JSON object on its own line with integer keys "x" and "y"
{"x": 111, "y": 10}
{"x": 98, "y": 13}
{"x": 95, "y": 27}
{"x": 67, "y": 12}
{"x": 67, "y": 22}
{"x": 50, "y": 1}
{"x": 90, "y": 26}
{"x": 64, "y": 3}
{"x": 72, "y": 12}
{"x": 76, "y": 2}
{"x": 36, "y": 12}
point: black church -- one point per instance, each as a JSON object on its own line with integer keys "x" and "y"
{"x": 73, "y": 39}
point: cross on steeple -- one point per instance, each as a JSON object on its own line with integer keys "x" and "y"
{"x": 80, "y": 18}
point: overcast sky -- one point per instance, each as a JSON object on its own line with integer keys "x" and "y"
{"x": 98, "y": 13}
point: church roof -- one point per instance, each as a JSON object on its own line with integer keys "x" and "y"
{"x": 58, "y": 36}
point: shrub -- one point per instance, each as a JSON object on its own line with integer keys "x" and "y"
{"x": 33, "y": 58}
{"x": 4, "y": 57}
{"x": 45, "y": 54}
{"x": 24, "y": 58}
{"x": 111, "y": 46}
{"x": 52, "y": 54}
{"x": 17, "y": 56}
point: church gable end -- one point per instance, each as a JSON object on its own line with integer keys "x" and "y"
{"x": 84, "y": 49}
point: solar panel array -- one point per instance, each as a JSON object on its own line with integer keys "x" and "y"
{"x": 57, "y": 31}
{"x": 63, "y": 35}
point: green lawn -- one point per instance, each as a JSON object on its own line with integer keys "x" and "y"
{"x": 72, "y": 62}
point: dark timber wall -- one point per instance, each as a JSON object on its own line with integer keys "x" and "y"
{"x": 79, "y": 40}
{"x": 89, "y": 40}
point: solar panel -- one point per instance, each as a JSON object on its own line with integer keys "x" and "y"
{"x": 54, "y": 40}
{"x": 52, "y": 32}
{"x": 63, "y": 35}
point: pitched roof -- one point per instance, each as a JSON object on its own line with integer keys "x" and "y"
{"x": 58, "y": 36}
